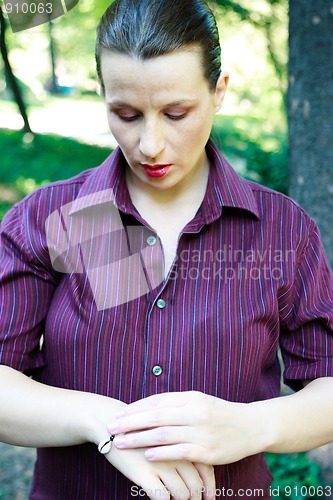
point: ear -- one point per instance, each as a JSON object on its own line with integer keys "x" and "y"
{"x": 220, "y": 90}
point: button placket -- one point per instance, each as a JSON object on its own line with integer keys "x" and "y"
{"x": 157, "y": 370}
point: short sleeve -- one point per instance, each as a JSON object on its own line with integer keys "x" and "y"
{"x": 26, "y": 287}
{"x": 307, "y": 339}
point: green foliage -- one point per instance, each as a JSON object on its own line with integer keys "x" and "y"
{"x": 261, "y": 19}
{"x": 295, "y": 475}
{"x": 28, "y": 162}
{"x": 256, "y": 151}
{"x": 45, "y": 158}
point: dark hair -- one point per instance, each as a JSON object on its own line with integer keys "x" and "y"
{"x": 151, "y": 28}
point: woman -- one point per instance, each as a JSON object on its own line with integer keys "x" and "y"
{"x": 143, "y": 302}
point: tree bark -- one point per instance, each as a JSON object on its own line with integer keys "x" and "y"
{"x": 10, "y": 75}
{"x": 310, "y": 111}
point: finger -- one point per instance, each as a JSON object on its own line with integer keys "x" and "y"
{"x": 144, "y": 476}
{"x": 159, "y": 417}
{"x": 191, "y": 452}
{"x": 174, "y": 483}
{"x": 191, "y": 477}
{"x": 207, "y": 474}
{"x": 160, "y": 436}
{"x": 155, "y": 491}
{"x": 162, "y": 400}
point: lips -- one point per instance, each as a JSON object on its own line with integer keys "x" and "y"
{"x": 159, "y": 170}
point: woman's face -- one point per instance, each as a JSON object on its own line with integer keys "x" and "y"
{"x": 160, "y": 111}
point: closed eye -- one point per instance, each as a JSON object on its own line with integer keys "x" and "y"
{"x": 128, "y": 118}
{"x": 132, "y": 118}
{"x": 176, "y": 117}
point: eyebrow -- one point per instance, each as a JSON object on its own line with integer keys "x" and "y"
{"x": 121, "y": 104}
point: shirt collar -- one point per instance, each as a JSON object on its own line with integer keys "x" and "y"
{"x": 225, "y": 188}
{"x": 105, "y": 184}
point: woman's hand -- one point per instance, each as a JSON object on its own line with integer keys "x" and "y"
{"x": 191, "y": 426}
{"x": 164, "y": 480}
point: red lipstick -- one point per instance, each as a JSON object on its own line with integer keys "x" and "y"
{"x": 159, "y": 170}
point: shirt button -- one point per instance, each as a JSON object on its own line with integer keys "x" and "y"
{"x": 161, "y": 303}
{"x": 151, "y": 240}
{"x": 157, "y": 371}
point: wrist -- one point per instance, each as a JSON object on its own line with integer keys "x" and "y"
{"x": 265, "y": 421}
{"x": 93, "y": 416}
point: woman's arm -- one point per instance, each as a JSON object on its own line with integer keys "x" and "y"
{"x": 37, "y": 415}
{"x": 301, "y": 421}
{"x": 193, "y": 425}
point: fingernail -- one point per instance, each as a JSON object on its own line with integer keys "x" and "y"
{"x": 120, "y": 442}
{"x": 113, "y": 427}
{"x": 149, "y": 454}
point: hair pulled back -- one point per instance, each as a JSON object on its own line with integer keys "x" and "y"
{"x": 150, "y": 28}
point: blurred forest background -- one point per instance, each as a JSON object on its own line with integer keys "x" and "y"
{"x": 65, "y": 131}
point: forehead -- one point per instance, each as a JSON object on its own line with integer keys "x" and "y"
{"x": 174, "y": 73}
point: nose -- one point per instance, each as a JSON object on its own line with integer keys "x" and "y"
{"x": 152, "y": 141}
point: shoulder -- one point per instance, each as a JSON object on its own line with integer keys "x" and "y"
{"x": 276, "y": 206}
{"x": 46, "y": 199}
{"x": 24, "y": 223}
{"x": 40, "y": 203}
{"x": 287, "y": 223}
{"x": 268, "y": 205}
{"x": 23, "y": 226}
{"x": 52, "y": 196}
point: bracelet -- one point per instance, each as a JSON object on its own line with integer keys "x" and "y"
{"x": 106, "y": 445}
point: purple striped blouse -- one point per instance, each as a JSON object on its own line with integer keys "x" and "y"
{"x": 81, "y": 269}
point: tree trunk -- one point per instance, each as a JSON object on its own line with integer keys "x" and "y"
{"x": 310, "y": 111}
{"x": 10, "y": 75}
{"x": 54, "y": 81}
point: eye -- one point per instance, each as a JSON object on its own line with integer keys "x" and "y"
{"x": 176, "y": 112}
{"x": 176, "y": 116}
{"x": 124, "y": 114}
{"x": 127, "y": 117}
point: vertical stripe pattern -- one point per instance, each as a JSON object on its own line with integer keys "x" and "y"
{"x": 250, "y": 275}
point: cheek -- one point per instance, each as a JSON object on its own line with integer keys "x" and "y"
{"x": 196, "y": 135}
{"x": 124, "y": 135}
